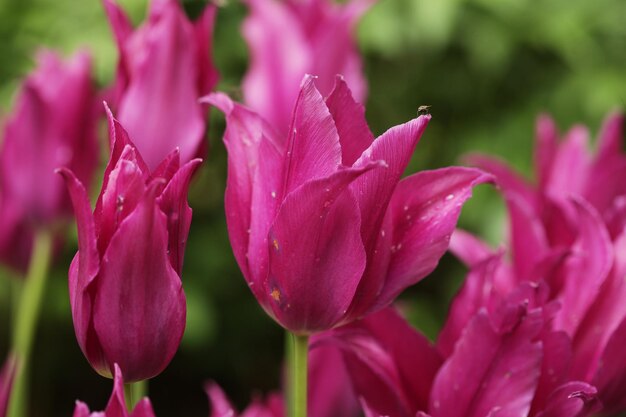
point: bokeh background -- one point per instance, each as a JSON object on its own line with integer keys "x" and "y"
{"x": 487, "y": 67}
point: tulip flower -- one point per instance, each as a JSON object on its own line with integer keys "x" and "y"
{"x": 321, "y": 224}
{"x": 53, "y": 125}
{"x": 126, "y": 294}
{"x": 221, "y": 406}
{"x": 6, "y": 382}
{"x": 164, "y": 67}
{"x": 497, "y": 367}
{"x": 116, "y": 407}
{"x": 288, "y": 39}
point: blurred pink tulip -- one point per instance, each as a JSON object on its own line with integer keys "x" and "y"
{"x": 6, "y": 383}
{"x": 116, "y": 407}
{"x": 53, "y": 125}
{"x": 498, "y": 367}
{"x": 221, "y": 406}
{"x": 321, "y": 224}
{"x": 288, "y": 39}
{"x": 165, "y": 67}
{"x": 125, "y": 288}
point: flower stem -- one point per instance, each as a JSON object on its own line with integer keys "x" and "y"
{"x": 299, "y": 375}
{"x": 26, "y": 317}
{"x": 133, "y": 392}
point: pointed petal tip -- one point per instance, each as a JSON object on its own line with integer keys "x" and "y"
{"x": 220, "y": 100}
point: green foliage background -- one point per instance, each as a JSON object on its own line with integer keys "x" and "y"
{"x": 487, "y": 67}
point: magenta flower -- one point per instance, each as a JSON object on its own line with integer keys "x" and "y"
{"x": 53, "y": 125}
{"x": 288, "y": 39}
{"x": 126, "y": 294}
{"x": 322, "y": 227}
{"x": 164, "y": 67}
{"x": 498, "y": 367}
{"x": 6, "y": 383}
{"x": 273, "y": 406}
{"x": 116, "y": 407}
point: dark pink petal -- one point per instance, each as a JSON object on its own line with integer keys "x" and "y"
{"x": 220, "y": 405}
{"x": 274, "y": 407}
{"x": 373, "y": 191}
{"x": 586, "y": 270}
{"x": 81, "y": 410}
{"x": 316, "y": 254}
{"x": 392, "y": 366}
{"x": 83, "y": 270}
{"x": 167, "y": 168}
{"x": 510, "y": 182}
{"x": 610, "y": 378}
{"x": 168, "y": 95}
{"x": 122, "y": 28}
{"x": 253, "y": 183}
{"x": 555, "y": 366}
{"x": 143, "y": 409}
{"x": 139, "y": 307}
{"x": 468, "y": 248}
{"x": 330, "y": 390}
{"x": 573, "y": 399}
{"x": 476, "y": 293}
{"x": 173, "y": 202}
{"x": 490, "y": 371}
{"x": 349, "y": 116}
{"x": 313, "y": 149}
{"x": 603, "y": 317}
{"x": 116, "y": 407}
{"x": 529, "y": 242}
{"x": 546, "y": 147}
{"x": 424, "y": 210}
{"x": 570, "y": 167}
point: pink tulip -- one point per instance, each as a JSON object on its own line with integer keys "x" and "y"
{"x": 221, "y": 406}
{"x": 288, "y": 39}
{"x": 116, "y": 406}
{"x": 165, "y": 66}
{"x": 321, "y": 225}
{"x": 126, "y": 294}
{"x": 496, "y": 368}
{"x": 53, "y": 125}
{"x": 6, "y": 383}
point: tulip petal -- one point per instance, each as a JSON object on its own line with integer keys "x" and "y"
{"x": 116, "y": 407}
{"x": 139, "y": 308}
{"x": 546, "y": 147}
{"x": 80, "y": 410}
{"x": 203, "y": 28}
{"x": 373, "y": 191}
{"x": 220, "y": 405}
{"x": 573, "y": 399}
{"x": 610, "y": 378}
{"x": 468, "y": 248}
{"x": 510, "y": 182}
{"x": 354, "y": 134}
{"x": 252, "y": 146}
{"x": 571, "y": 165}
{"x": 279, "y": 57}
{"x": 122, "y": 28}
{"x": 316, "y": 254}
{"x": 391, "y": 365}
{"x": 424, "y": 209}
{"x": 83, "y": 270}
{"x": 610, "y": 139}
{"x": 586, "y": 270}
{"x": 166, "y": 95}
{"x": 143, "y": 409}
{"x": 490, "y": 370}
{"x": 313, "y": 149}
{"x": 173, "y": 202}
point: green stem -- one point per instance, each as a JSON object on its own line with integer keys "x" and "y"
{"x": 133, "y": 392}
{"x": 299, "y": 375}
{"x": 26, "y": 317}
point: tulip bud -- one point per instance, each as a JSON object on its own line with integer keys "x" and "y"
{"x": 165, "y": 67}
{"x": 126, "y": 294}
{"x": 53, "y": 125}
